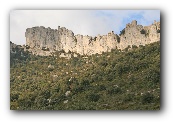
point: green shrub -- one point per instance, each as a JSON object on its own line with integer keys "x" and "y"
{"x": 147, "y": 98}
{"x": 102, "y": 87}
{"x": 94, "y": 84}
{"x": 114, "y": 90}
{"x": 93, "y": 97}
{"x": 14, "y": 96}
{"x": 128, "y": 98}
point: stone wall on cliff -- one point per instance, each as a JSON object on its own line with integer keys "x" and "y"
{"x": 44, "y": 41}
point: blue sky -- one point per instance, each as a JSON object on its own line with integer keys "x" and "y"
{"x": 85, "y": 22}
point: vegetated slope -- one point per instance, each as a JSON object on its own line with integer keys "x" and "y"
{"x": 116, "y": 80}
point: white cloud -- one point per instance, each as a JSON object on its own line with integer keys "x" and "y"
{"x": 86, "y": 22}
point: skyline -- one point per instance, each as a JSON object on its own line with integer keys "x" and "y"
{"x": 84, "y": 22}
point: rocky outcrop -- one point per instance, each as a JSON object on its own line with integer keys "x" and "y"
{"x": 12, "y": 47}
{"x": 16, "y": 49}
{"x": 137, "y": 35}
{"x": 44, "y": 41}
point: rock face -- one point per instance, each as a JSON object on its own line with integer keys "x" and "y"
{"x": 44, "y": 41}
{"x": 12, "y": 47}
{"x": 137, "y": 35}
{"x": 16, "y": 48}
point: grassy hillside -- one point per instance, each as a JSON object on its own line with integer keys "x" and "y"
{"x": 127, "y": 80}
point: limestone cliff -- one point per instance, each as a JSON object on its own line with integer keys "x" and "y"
{"x": 44, "y": 41}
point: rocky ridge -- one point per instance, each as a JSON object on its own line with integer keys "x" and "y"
{"x": 43, "y": 41}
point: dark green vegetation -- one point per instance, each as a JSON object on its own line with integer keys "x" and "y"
{"x": 127, "y": 80}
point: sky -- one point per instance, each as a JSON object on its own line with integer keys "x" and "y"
{"x": 85, "y": 22}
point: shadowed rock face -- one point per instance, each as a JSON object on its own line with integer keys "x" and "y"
{"x": 43, "y": 41}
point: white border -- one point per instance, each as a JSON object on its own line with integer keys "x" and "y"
{"x": 164, "y": 115}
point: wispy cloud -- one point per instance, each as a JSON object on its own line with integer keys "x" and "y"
{"x": 86, "y": 22}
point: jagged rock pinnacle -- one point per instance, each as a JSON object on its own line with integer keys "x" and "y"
{"x": 43, "y": 41}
